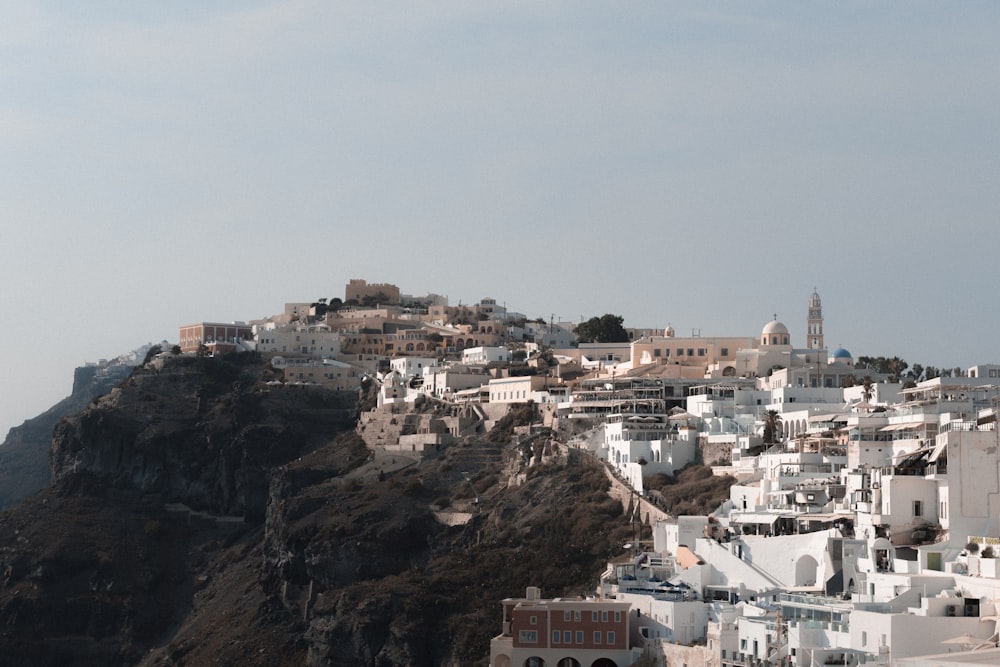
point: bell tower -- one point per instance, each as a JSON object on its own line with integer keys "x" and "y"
{"x": 815, "y": 322}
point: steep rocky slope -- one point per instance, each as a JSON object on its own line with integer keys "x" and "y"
{"x": 201, "y": 516}
{"x": 24, "y": 453}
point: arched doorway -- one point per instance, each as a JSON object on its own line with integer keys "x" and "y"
{"x": 604, "y": 662}
{"x": 805, "y": 571}
{"x": 534, "y": 661}
{"x": 501, "y": 661}
{"x": 569, "y": 662}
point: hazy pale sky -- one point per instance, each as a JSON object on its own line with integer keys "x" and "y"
{"x": 702, "y": 164}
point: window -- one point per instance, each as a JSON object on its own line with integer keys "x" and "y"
{"x": 701, "y": 352}
{"x": 567, "y": 615}
{"x": 533, "y": 620}
{"x": 618, "y": 617}
{"x": 611, "y": 636}
{"x": 593, "y": 616}
{"x": 724, "y": 352}
{"x": 680, "y": 352}
{"x": 579, "y": 636}
{"x": 576, "y": 616}
{"x": 690, "y": 352}
{"x": 528, "y": 636}
{"x": 657, "y": 352}
{"x": 556, "y": 637}
{"x": 918, "y": 508}
{"x": 597, "y": 636}
{"x": 604, "y": 617}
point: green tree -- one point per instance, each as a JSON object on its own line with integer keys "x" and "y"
{"x": 151, "y": 354}
{"x": 605, "y": 329}
{"x": 896, "y": 367}
{"x": 867, "y": 389}
{"x": 772, "y": 425}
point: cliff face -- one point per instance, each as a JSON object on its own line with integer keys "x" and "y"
{"x": 24, "y": 454}
{"x": 203, "y": 432}
{"x": 200, "y": 515}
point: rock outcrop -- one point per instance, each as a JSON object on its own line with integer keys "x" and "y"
{"x": 200, "y": 514}
{"x": 24, "y": 454}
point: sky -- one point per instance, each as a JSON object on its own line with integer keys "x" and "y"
{"x": 699, "y": 164}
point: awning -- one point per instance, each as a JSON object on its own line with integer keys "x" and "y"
{"x": 901, "y": 427}
{"x": 938, "y": 450}
{"x": 753, "y": 517}
{"x": 828, "y": 418}
{"x": 915, "y": 452}
{"x": 825, "y": 516}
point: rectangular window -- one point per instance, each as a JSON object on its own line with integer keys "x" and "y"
{"x": 864, "y": 638}
{"x": 680, "y": 352}
{"x": 690, "y": 352}
{"x": 579, "y": 636}
{"x": 533, "y": 620}
{"x": 556, "y": 638}
{"x": 611, "y": 637}
{"x": 618, "y": 617}
{"x": 918, "y": 508}
{"x": 528, "y": 636}
{"x": 576, "y": 616}
{"x": 593, "y": 616}
{"x": 597, "y": 636}
{"x": 701, "y": 352}
{"x": 604, "y": 617}
{"x": 657, "y": 352}
{"x": 724, "y": 352}
{"x": 567, "y": 615}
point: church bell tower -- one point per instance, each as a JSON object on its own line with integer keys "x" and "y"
{"x": 815, "y": 323}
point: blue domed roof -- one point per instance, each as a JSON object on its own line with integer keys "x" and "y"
{"x": 841, "y": 353}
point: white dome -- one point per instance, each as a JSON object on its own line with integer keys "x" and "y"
{"x": 774, "y": 333}
{"x": 774, "y": 327}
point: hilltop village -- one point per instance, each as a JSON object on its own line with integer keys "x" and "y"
{"x": 862, "y": 528}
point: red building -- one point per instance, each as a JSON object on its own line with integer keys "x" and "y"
{"x": 577, "y": 632}
{"x": 217, "y": 337}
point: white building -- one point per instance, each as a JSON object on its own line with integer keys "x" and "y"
{"x": 315, "y": 340}
{"x": 485, "y": 355}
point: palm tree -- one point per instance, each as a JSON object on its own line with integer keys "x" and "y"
{"x": 772, "y": 424}
{"x": 896, "y": 367}
{"x": 867, "y": 389}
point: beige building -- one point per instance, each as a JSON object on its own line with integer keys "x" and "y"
{"x": 360, "y": 290}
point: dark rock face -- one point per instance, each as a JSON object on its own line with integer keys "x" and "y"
{"x": 203, "y": 432}
{"x": 199, "y": 516}
{"x": 24, "y": 454}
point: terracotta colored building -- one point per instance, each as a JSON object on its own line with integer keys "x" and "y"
{"x": 591, "y": 632}
{"x": 217, "y": 337}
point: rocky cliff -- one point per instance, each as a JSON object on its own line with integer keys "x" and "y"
{"x": 24, "y": 454}
{"x": 200, "y": 515}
